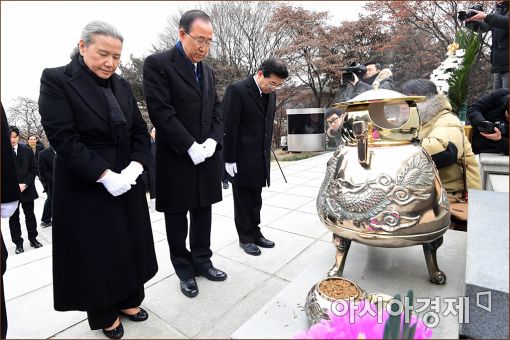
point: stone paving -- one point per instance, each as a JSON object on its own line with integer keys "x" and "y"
{"x": 288, "y": 217}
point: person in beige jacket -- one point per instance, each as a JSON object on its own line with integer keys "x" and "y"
{"x": 442, "y": 136}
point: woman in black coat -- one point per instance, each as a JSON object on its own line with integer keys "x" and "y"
{"x": 103, "y": 250}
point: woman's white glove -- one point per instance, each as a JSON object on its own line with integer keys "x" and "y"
{"x": 132, "y": 171}
{"x": 197, "y": 153}
{"x": 115, "y": 183}
{"x": 209, "y": 147}
{"x": 9, "y": 208}
{"x": 231, "y": 168}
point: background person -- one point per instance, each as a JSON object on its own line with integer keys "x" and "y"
{"x": 10, "y": 200}
{"x": 492, "y": 108}
{"x": 180, "y": 92}
{"x": 26, "y": 169}
{"x": 377, "y": 75}
{"x": 46, "y": 158}
{"x": 248, "y": 112}
{"x": 103, "y": 250}
{"x": 497, "y": 23}
{"x": 334, "y": 118}
{"x": 442, "y": 137}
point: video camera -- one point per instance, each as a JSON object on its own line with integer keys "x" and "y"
{"x": 463, "y": 15}
{"x": 348, "y": 75}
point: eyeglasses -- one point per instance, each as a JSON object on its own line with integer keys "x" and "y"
{"x": 274, "y": 86}
{"x": 331, "y": 121}
{"x": 201, "y": 41}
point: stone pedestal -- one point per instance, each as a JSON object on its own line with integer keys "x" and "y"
{"x": 492, "y": 164}
{"x": 377, "y": 270}
{"x": 487, "y": 266}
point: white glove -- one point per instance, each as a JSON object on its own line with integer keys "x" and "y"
{"x": 197, "y": 153}
{"x": 209, "y": 146}
{"x": 115, "y": 183}
{"x": 9, "y": 208}
{"x": 231, "y": 168}
{"x": 132, "y": 171}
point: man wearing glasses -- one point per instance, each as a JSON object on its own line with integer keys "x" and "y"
{"x": 248, "y": 112}
{"x": 183, "y": 105}
{"x": 335, "y": 119}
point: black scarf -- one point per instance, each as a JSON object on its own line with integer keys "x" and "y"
{"x": 118, "y": 124}
{"x": 370, "y": 80}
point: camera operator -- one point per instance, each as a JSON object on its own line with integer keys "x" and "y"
{"x": 497, "y": 22}
{"x": 350, "y": 84}
{"x": 489, "y": 117}
{"x": 376, "y": 74}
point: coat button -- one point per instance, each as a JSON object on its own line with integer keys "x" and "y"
{"x": 204, "y": 125}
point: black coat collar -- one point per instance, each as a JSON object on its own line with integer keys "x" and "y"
{"x": 90, "y": 92}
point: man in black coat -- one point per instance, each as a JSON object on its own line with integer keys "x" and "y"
{"x": 490, "y": 110}
{"x": 248, "y": 112}
{"x": 25, "y": 164}
{"x": 497, "y": 23}
{"x": 46, "y": 175}
{"x": 183, "y": 105}
{"x": 10, "y": 200}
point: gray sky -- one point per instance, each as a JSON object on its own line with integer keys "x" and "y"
{"x": 40, "y": 34}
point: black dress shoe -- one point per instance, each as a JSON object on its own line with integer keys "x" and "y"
{"x": 189, "y": 287}
{"x": 250, "y": 248}
{"x": 142, "y": 315}
{"x": 35, "y": 244}
{"x": 116, "y": 333}
{"x": 225, "y": 185}
{"x": 213, "y": 274}
{"x": 45, "y": 224}
{"x": 19, "y": 249}
{"x": 264, "y": 242}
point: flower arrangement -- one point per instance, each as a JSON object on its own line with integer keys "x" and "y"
{"x": 351, "y": 325}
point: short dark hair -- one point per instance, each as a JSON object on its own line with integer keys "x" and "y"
{"x": 190, "y": 16}
{"x": 333, "y": 110}
{"x": 274, "y": 66}
{"x": 375, "y": 63}
{"x": 14, "y": 129}
{"x": 419, "y": 87}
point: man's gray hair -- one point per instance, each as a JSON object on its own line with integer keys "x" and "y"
{"x": 100, "y": 28}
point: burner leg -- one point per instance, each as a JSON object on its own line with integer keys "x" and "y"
{"x": 429, "y": 249}
{"x": 342, "y": 248}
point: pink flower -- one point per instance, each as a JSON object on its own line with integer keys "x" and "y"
{"x": 358, "y": 327}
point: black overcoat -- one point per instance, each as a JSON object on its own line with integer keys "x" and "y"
{"x": 183, "y": 113}
{"x": 248, "y": 131}
{"x": 489, "y": 107}
{"x": 27, "y": 170}
{"x": 103, "y": 250}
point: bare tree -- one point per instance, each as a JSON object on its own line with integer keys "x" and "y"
{"x": 25, "y": 115}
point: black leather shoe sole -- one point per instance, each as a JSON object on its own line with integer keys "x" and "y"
{"x": 189, "y": 288}
{"x": 19, "y": 250}
{"x": 116, "y": 333}
{"x": 142, "y": 315}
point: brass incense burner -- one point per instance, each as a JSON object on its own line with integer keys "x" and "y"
{"x": 381, "y": 188}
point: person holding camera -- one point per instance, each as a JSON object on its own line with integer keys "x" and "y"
{"x": 350, "y": 84}
{"x": 497, "y": 23}
{"x": 489, "y": 118}
{"x": 375, "y": 74}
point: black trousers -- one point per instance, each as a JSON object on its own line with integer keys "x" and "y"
{"x": 3, "y": 325}
{"x": 46, "y": 215}
{"x": 187, "y": 262}
{"x": 104, "y": 318}
{"x": 15, "y": 226}
{"x": 247, "y": 205}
